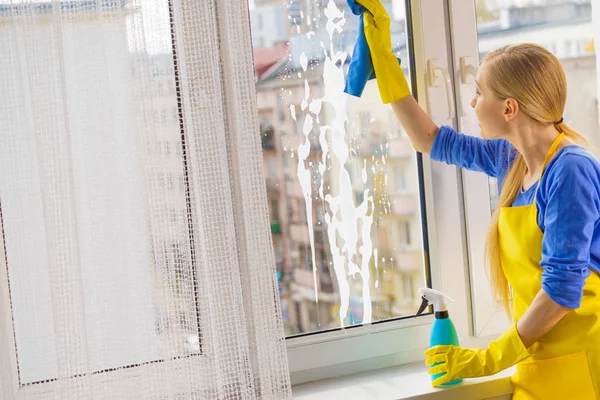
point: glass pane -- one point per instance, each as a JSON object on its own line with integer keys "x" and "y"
{"x": 341, "y": 175}
{"x": 565, "y": 28}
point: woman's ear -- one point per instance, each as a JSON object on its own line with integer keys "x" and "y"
{"x": 511, "y": 109}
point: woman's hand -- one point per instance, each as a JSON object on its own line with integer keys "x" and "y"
{"x": 541, "y": 316}
{"x": 390, "y": 78}
{"x": 458, "y": 362}
{"x": 393, "y": 87}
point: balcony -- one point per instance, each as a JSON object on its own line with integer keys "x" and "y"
{"x": 299, "y": 233}
{"x": 404, "y": 204}
{"x": 305, "y": 277}
{"x": 266, "y": 101}
{"x": 272, "y": 185}
{"x": 409, "y": 260}
{"x": 267, "y": 137}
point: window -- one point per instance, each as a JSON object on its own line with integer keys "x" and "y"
{"x": 286, "y": 162}
{"x": 272, "y": 161}
{"x": 275, "y": 210}
{"x": 400, "y": 175}
{"x": 568, "y": 51}
{"x": 324, "y": 199}
{"x": 408, "y": 287}
{"x": 299, "y": 122}
{"x": 405, "y": 233}
{"x": 418, "y": 236}
{"x": 295, "y": 13}
{"x": 386, "y": 222}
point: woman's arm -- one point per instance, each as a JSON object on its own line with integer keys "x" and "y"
{"x": 419, "y": 127}
{"x": 541, "y": 316}
{"x": 509, "y": 349}
{"x": 453, "y": 148}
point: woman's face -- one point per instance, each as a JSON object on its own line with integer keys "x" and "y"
{"x": 489, "y": 108}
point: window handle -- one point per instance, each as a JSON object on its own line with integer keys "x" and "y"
{"x": 434, "y": 74}
{"x": 468, "y": 70}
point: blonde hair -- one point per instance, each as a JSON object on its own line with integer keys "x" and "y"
{"x": 535, "y": 78}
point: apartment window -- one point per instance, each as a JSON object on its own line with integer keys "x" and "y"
{"x": 408, "y": 287}
{"x": 295, "y": 13}
{"x": 568, "y": 48}
{"x": 275, "y": 210}
{"x": 299, "y": 123}
{"x": 301, "y": 209}
{"x": 401, "y": 178}
{"x": 272, "y": 161}
{"x": 286, "y": 161}
{"x": 405, "y": 233}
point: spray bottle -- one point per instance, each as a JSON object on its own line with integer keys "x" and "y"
{"x": 443, "y": 331}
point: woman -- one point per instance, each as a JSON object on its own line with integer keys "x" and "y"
{"x": 543, "y": 246}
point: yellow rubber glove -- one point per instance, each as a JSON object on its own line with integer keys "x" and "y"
{"x": 390, "y": 78}
{"x": 458, "y": 362}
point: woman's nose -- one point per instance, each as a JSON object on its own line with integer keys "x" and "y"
{"x": 474, "y": 102}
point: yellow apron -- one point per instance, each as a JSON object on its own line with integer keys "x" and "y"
{"x": 565, "y": 363}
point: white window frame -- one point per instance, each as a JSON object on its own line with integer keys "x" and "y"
{"x": 487, "y": 319}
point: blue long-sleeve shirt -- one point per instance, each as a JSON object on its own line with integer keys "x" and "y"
{"x": 568, "y": 204}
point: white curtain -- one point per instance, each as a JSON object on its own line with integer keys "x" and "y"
{"x": 136, "y": 260}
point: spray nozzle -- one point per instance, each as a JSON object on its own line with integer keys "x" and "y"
{"x": 431, "y": 296}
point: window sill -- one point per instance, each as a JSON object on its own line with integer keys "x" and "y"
{"x": 409, "y": 381}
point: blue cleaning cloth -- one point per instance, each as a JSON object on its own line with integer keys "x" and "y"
{"x": 360, "y": 70}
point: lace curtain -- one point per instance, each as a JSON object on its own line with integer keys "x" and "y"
{"x": 136, "y": 259}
